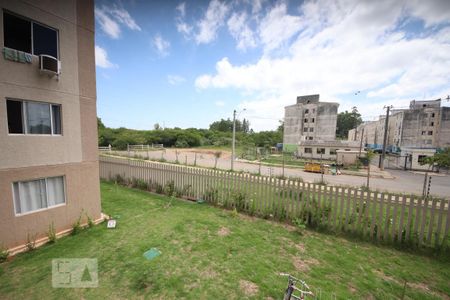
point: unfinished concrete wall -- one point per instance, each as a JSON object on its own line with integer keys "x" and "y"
{"x": 444, "y": 128}
{"x": 310, "y": 120}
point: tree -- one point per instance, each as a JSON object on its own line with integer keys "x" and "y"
{"x": 439, "y": 159}
{"x": 369, "y": 156}
{"x": 346, "y": 121}
{"x": 227, "y": 125}
{"x": 245, "y": 126}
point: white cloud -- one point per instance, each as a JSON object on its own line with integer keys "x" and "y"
{"x": 101, "y": 58}
{"x": 212, "y": 20}
{"x": 181, "y": 8}
{"x": 110, "y": 19}
{"x": 219, "y": 103}
{"x": 175, "y": 79}
{"x": 241, "y": 31}
{"x": 161, "y": 45}
{"x": 108, "y": 25}
{"x": 336, "y": 48}
{"x": 124, "y": 17}
{"x": 278, "y": 27}
{"x": 182, "y": 27}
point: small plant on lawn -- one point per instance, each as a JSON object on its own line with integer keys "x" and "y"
{"x": 31, "y": 242}
{"x": 51, "y": 234}
{"x": 211, "y": 195}
{"x": 4, "y": 253}
{"x": 90, "y": 221}
{"x": 234, "y": 213}
{"x": 169, "y": 188}
{"x": 300, "y": 225}
{"x": 119, "y": 180}
{"x": 158, "y": 188}
{"x": 76, "y": 227}
{"x": 239, "y": 200}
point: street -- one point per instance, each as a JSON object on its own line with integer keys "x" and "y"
{"x": 404, "y": 181}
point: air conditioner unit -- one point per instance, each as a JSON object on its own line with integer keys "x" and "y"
{"x": 49, "y": 65}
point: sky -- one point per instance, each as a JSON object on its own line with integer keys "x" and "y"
{"x": 189, "y": 63}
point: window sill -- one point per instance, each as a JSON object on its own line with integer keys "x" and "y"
{"x": 39, "y": 210}
{"x": 34, "y": 134}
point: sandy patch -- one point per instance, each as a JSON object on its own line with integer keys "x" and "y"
{"x": 304, "y": 265}
{"x": 223, "y": 231}
{"x": 248, "y": 287}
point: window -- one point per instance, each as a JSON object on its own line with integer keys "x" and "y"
{"x": 305, "y": 129}
{"x": 421, "y": 158}
{"x": 430, "y": 132}
{"x": 432, "y": 124}
{"x": 27, "y": 117}
{"x": 424, "y": 132}
{"x": 305, "y": 120}
{"x": 313, "y": 110}
{"x": 308, "y": 150}
{"x": 311, "y": 129}
{"x": 333, "y": 151}
{"x": 320, "y": 150}
{"x": 38, "y": 194}
{"x": 312, "y": 120}
{"x": 310, "y": 138}
{"x": 27, "y": 36}
{"x": 306, "y": 111}
{"x": 432, "y": 115}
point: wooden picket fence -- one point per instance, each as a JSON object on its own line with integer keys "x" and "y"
{"x": 377, "y": 216}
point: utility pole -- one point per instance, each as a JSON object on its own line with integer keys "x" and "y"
{"x": 234, "y": 140}
{"x": 386, "y": 126}
{"x": 233, "y": 146}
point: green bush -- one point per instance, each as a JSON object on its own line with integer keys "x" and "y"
{"x": 4, "y": 253}
{"x": 169, "y": 188}
{"x": 51, "y": 234}
{"x": 31, "y": 242}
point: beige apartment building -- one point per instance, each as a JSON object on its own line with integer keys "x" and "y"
{"x": 48, "y": 129}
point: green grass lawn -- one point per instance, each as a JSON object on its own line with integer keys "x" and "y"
{"x": 209, "y": 253}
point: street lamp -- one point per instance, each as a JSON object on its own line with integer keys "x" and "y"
{"x": 233, "y": 150}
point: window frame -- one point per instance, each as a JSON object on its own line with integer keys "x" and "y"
{"x": 309, "y": 150}
{"x": 46, "y": 195}
{"x": 58, "y": 54}
{"x": 25, "y": 119}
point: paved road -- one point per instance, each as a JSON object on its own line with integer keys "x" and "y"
{"x": 404, "y": 181}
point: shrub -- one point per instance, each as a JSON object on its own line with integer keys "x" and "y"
{"x": 300, "y": 225}
{"x": 31, "y": 242}
{"x": 90, "y": 221}
{"x": 76, "y": 227}
{"x": 119, "y": 180}
{"x": 51, "y": 234}
{"x": 169, "y": 188}
{"x": 211, "y": 195}
{"x": 4, "y": 253}
{"x": 239, "y": 200}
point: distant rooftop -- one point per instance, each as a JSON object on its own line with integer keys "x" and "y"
{"x": 308, "y": 99}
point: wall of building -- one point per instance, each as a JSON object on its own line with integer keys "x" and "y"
{"x": 443, "y": 138}
{"x": 74, "y": 153}
{"x": 425, "y": 125}
{"x": 309, "y": 119}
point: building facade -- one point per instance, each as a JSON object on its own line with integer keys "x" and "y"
{"x": 48, "y": 128}
{"x": 309, "y": 120}
{"x": 425, "y": 125}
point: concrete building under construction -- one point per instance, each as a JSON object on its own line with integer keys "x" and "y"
{"x": 412, "y": 133}
{"x": 425, "y": 124}
{"x": 309, "y": 120}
